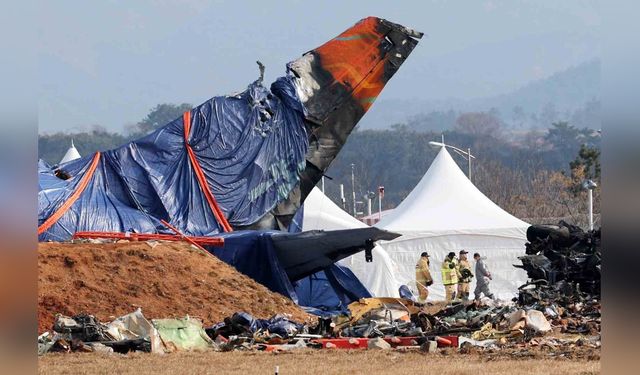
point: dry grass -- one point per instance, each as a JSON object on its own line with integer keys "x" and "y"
{"x": 306, "y": 362}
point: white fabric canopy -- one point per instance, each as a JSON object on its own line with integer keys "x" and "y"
{"x": 377, "y": 276}
{"x": 446, "y": 212}
{"x": 71, "y": 154}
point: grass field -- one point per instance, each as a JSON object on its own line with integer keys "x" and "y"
{"x": 306, "y": 362}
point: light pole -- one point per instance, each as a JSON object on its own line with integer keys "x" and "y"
{"x": 369, "y": 196}
{"x": 465, "y": 154}
{"x": 469, "y": 156}
{"x": 589, "y": 185}
{"x": 353, "y": 188}
{"x": 380, "y": 195}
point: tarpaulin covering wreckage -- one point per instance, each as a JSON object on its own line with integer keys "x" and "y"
{"x": 239, "y": 161}
{"x": 226, "y": 162}
{"x": 243, "y": 161}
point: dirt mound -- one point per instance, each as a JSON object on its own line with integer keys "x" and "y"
{"x": 165, "y": 279}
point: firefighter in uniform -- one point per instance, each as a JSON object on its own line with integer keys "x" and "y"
{"x": 423, "y": 277}
{"x": 464, "y": 269}
{"x": 450, "y": 276}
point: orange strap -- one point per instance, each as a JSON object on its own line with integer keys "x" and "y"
{"x": 202, "y": 181}
{"x": 73, "y": 198}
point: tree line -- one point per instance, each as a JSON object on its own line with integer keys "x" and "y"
{"x": 537, "y": 176}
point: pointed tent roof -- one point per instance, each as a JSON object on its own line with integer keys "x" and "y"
{"x": 378, "y": 276}
{"x": 72, "y": 154}
{"x": 321, "y": 213}
{"x": 446, "y": 201}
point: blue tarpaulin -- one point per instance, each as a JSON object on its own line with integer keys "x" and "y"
{"x": 250, "y": 147}
{"x": 331, "y": 290}
{"x": 242, "y": 323}
{"x": 252, "y": 253}
{"x": 328, "y": 291}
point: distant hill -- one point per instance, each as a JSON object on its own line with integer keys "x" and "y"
{"x": 567, "y": 91}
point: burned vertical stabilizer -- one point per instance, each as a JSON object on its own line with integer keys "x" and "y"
{"x": 337, "y": 83}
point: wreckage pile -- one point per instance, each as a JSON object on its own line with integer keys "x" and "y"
{"x": 128, "y": 333}
{"x": 557, "y": 314}
{"x": 563, "y": 263}
{"x": 166, "y": 279}
{"x": 373, "y": 323}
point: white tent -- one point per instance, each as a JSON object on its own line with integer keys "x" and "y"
{"x": 72, "y": 154}
{"x": 377, "y": 276}
{"x": 446, "y": 212}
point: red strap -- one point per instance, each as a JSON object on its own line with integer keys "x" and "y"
{"x": 194, "y": 243}
{"x": 202, "y": 181}
{"x": 73, "y": 198}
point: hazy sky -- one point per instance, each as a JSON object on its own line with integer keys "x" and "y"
{"x": 108, "y": 62}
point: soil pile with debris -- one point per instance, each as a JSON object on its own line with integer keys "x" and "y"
{"x": 165, "y": 279}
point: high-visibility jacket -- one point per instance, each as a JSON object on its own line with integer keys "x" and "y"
{"x": 449, "y": 272}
